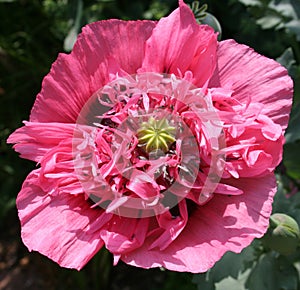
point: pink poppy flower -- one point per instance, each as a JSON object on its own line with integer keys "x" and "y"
{"x": 156, "y": 141}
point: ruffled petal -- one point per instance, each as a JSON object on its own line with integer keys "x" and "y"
{"x": 103, "y": 50}
{"x": 179, "y": 44}
{"x": 34, "y": 140}
{"x": 170, "y": 227}
{"x": 122, "y": 235}
{"x": 62, "y": 227}
{"x": 255, "y": 78}
{"x": 252, "y": 154}
{"x": 226, "y": 223}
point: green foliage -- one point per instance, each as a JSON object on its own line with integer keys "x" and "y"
{"x": 236, "y": 266}
{"x": 293, "y": 132}
{"x": 292, "y": 160}
{"x": 252, "y": 269}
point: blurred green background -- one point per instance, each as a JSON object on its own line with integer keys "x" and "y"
{"x": 32, "y": 33}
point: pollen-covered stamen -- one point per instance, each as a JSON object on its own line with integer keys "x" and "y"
{"x": 156, "y": 134}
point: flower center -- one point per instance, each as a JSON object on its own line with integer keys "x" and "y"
{"x": 145, "y": 142}
{"x": 156, "y": 135}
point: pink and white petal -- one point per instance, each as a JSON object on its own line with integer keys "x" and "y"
{"x": 35, "y": 139}
{"x": 223, "y": 224}
{"x": 255, "y": 77}
{"x": 103, "y": 50}
{"x": 179, "y": 44}
{"x": 62, "y": 227}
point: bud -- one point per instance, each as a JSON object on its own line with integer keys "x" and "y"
{"x": 203, "y": 17}
{"x": 283, "y": 234}
{"x": 213, "y": 22}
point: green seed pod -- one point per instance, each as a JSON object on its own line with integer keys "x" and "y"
{"x": 156, "y": 134}
{"x": 213, "y": 22}
{"x": 283, "y": 234}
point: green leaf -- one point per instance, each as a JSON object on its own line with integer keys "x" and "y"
{"x": 287, "y": 59}
{"x": 290, "y": 12}
{"x": 231, "y": 264}
{"x": 73, "y": 32}
{"x": 293, "y": 130}
{"x": 263, "y": 275}
{"x": 283, "y": 201}
{"x": 269, "y": 21}
{"x": 291, "y": 159}
{"x": 283, "y": 7}
{"x": 294, "y": 27}
{"x": 234, "y": 263}
{"x": 230, "y": 283}
{"x": 203, "y": 282}
{"x": 287, "y": 275}
{"x": 273, "y": 272}
{"x": 250, "y": 2}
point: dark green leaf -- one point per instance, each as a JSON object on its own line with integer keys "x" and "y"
{"x": 273, "y": 273}
{"x": 294, "y": 27}
{"x": 287, "y": 59}
{"x": 231, "y": 265}
{"x": 291, "y": 159}
{"x": 293, "y": 130}
{"x": 230, "y": 283}
{"x": 73, "y": 32}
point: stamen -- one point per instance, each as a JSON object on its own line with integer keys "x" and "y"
{"x": 156, "y": 135}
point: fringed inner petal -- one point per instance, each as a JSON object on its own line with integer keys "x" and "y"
{"x": 117, "y": 169}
